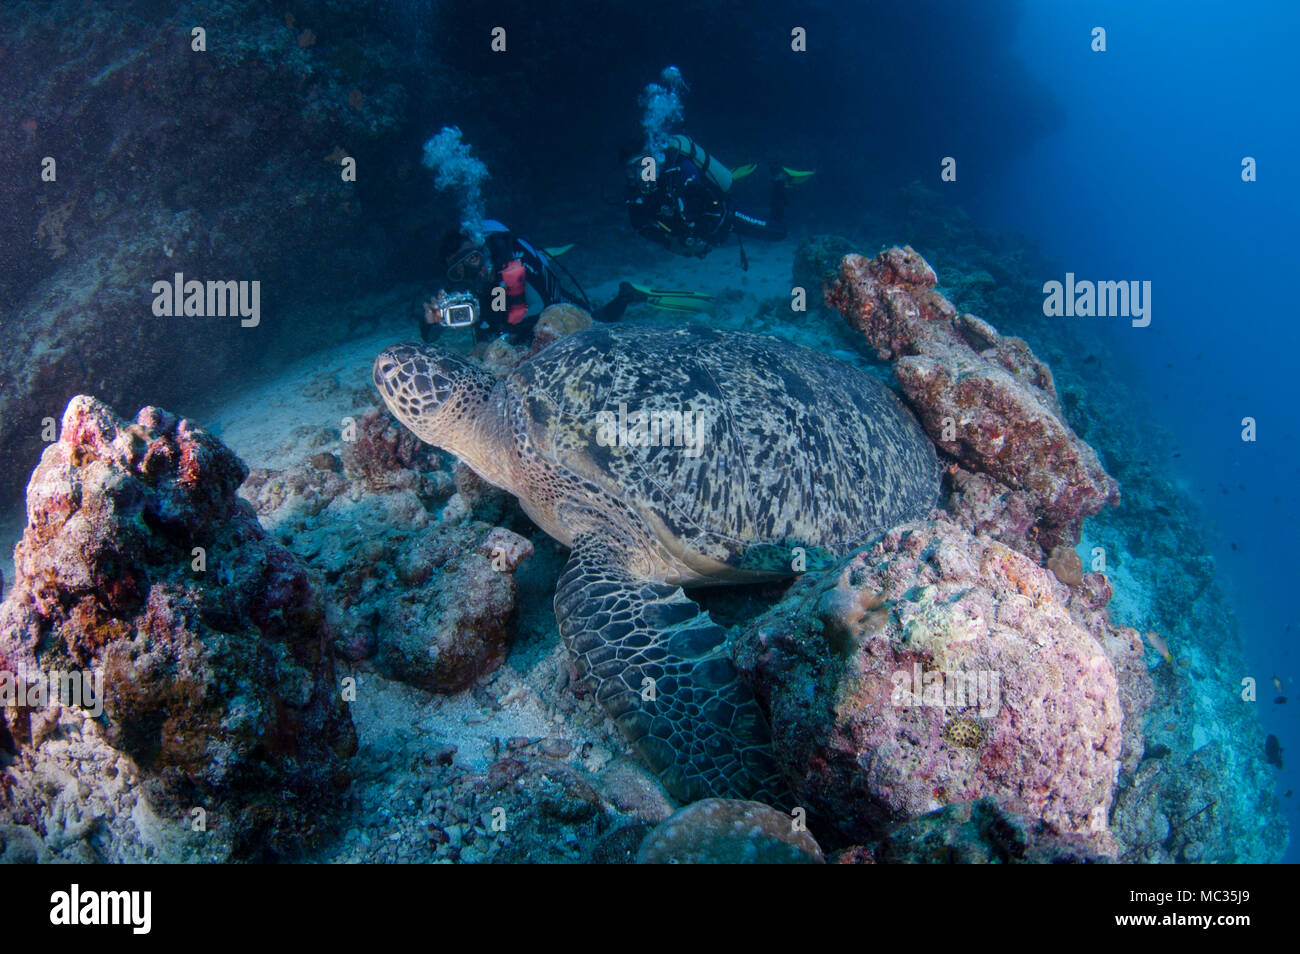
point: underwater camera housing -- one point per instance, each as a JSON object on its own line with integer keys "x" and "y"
{"x": 457, "y": 310}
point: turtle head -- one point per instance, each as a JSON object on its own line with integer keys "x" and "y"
{"x": 438, "y": 395}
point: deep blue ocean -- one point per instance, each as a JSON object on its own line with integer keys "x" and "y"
{"x": 1143, "y": 179}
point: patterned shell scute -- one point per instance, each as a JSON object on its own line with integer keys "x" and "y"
{"x": 760, "y": 443}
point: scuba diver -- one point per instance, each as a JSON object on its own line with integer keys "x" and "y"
{"x": 501, "y": 285}
{"x": 684, "y": 203}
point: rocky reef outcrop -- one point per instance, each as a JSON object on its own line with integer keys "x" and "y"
{"x": 967, "y": 657}
{"x": 984, "y": 399}
{"x": 973, "y": 833}
{"x": 144, "y": 151}
{"x": 207, "y": 692}
{"x": 938, "y": 667}
{"x": 455, "y": 619}
{"x": 415, "y": 575}
{"x": 1191, "y": 784}
{"x": 722, "y": 831}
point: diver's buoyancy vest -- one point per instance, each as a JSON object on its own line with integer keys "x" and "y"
{"x": 543, "y": 286}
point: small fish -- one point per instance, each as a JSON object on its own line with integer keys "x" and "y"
{"x": 1159, "y": 645}
{"x": 1277, "y": 683}
{"x": 1273, "y": 750}
{"x": 1280, "y": 701}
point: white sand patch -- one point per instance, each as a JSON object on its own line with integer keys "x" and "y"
{"x": 266, "y": 423}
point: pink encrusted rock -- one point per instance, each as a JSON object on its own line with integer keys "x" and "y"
{"x": 385, "y": 455}
{"x": 983, "y": 505}
{"x": 140, "y": 562}
{"x": 508, "y": 547}
{"x": 983, "y": 398}
{"x": 841, "y": 659}
{"x": 892, "y": 300}
{"x": 1123, "y": 646}
{"x": 457, "y": 624}
{"x": 1096, "y": 591}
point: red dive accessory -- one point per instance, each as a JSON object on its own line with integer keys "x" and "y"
{"x": 513, "y": 276}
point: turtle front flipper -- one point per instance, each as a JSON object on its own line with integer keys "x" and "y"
{"x": 660, "y": 669}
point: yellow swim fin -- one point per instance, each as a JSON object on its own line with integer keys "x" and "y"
{"x": 558, "y": 250}
{"x": 798, "y": 176}
{"x": 741, "y": 171}
{"x": 674, "y": 299}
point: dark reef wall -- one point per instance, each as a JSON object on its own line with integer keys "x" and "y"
{"x": 213, "y": 164}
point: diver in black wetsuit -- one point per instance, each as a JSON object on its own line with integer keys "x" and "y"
{"x": 501, "y": 285}
{"x": 684, "y": 203}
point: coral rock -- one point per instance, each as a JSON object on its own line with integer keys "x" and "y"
{"x": 981, "y": 833}
{"x": 891, "y": 300}
{"x": 986, "y": 506}
{"x": 386, "y": 455}
{"x": 507, "y": 547}
{"x": 458, "y": 625}
{"x": 983, "y": 398}
{"x": 1096, "y": 591}
{"x": 722, "y": 831}
{"x": 937, "y": 667}
{"x": 141, "y": 563}
{"x": 557, "y": 321}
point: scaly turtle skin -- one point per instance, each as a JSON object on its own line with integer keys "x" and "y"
{"x": 795, "y": 459}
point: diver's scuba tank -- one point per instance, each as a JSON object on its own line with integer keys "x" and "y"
{"x": 713, "y": 170}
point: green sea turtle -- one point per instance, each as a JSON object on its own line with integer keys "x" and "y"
{"x": 670, "y": 457}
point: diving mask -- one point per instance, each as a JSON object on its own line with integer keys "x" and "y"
{"x": 467, "y": 265}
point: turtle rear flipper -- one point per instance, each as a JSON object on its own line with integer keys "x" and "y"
{"x": 660, "y": 668}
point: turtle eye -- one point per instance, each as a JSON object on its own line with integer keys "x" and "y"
{"x": 383, "y": 371}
